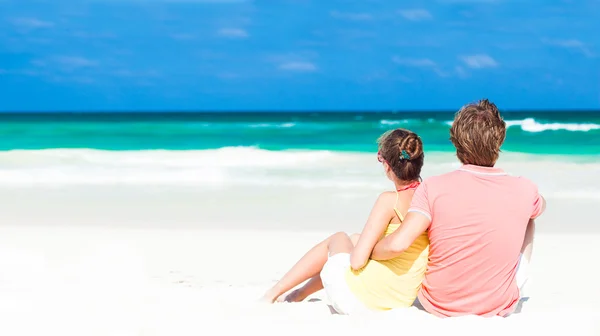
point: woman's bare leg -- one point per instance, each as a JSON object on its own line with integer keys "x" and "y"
{"x": 313, "y": 285}
{"x": 308, "y": 267}
{"x": 527, "y": 248}
{"x": 523, "y": 275}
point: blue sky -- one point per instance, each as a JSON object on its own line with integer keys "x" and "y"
{"x": 298, "y": 55}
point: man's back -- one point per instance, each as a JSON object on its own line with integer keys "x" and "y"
{"x": 479, "y": 216}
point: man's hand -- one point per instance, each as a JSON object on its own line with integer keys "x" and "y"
{"x": 396, "y": 243}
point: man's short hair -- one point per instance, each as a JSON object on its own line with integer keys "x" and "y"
{"x": 477, "y": 132}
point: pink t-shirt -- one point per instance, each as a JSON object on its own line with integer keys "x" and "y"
{"x": 479, "y": 216}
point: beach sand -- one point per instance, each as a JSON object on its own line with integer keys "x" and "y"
{"x": 160, "y": 260}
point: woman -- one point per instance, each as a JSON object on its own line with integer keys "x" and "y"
{"x": 340, "y": 264}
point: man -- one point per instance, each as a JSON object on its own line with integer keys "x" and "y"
{"x": 480, "y": 223}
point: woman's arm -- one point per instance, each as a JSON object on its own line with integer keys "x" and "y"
{"x": 527, "y": 247}
{"x": 396, "y": 243}
{"x": 380, "y": 217}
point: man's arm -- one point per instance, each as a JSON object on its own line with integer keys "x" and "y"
{"x": 539, "y": 206}
{"x": 398, "y": 241}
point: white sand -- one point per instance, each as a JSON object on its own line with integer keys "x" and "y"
{"x": 170, "y": 261}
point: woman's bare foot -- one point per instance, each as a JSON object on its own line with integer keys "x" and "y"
{"x": 297, "y": 295}
{"x": 270, "y": 296}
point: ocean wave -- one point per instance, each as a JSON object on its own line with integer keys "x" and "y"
{"x": 386, "y": 122}
{"x": 527, "y": 125}
{"x": 272, "y": 125}
{"x": 390, "y": 122}
{"x": 222, "y": 157}
{"x": 530, "y": 125}
{"x": 229, "y": 165}
{"x": 250, "y": 166}
{"x": 533, "y": 126}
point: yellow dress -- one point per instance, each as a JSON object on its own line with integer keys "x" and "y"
{"x": 394, "y": 283}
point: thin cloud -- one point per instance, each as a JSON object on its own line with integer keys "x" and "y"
{"x": 414, "y": 62}
{"x": 233, "y": 33}
{"x": 461, "y": 72}
{"x": 416, "y": 14}
{"x": 570, "y": 44}
{"x": 72, "y": 79}
{"x": 126, "y": 73}
{"x": 470, "y": 1}
{"x": 228, "y": 75}
{"x": 175, "y": 1}
{"x": 554, "y": 80}
{"x": 479, "y": 61}
{"x": 64, "y": 62}
{"x": 298, "y": 66}
{"x": 22, "y": 72}
{"x": 352, "y": 16}
{"x": 76, "y": 62}
{"x": 425, "y": 63}
{"x": 94, "y": 35}
{"x": 183, "y": 37}
{"x": 51, "y": 75}
{"x": 32, "y": 23}
{"x": 38, "y": 63}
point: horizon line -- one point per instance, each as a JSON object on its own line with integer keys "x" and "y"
{"x": 392, "y": 111}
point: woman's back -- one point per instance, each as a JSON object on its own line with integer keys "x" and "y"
{"x": 393, "y": 283}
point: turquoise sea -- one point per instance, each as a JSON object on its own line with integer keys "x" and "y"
{"x": 308, "y": 150}
{"x": 528, "y": 132}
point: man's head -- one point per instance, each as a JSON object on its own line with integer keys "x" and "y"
{"x": 477, "y": 132}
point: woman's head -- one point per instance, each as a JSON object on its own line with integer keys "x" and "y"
{"x": 401, "y": 152}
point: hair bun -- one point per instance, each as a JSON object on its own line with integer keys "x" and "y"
{"x": 402, "y": 151}
{"x": 412, "y": 145}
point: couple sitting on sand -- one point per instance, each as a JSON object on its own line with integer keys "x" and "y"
{"x": 455, "y": 244}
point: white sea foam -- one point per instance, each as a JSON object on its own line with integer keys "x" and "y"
{"x": 386, "y": 122}
{"x": 239, "y": 166}
{"x": 229, "y": 165}
{"x": 273, "y": 125}
{"x": 530, "y": 125}
{"x": 222, "y": 157}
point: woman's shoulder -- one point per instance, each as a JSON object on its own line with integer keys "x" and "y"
{"x": 387, "y": 195}
{"x": 385, "y": 201}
